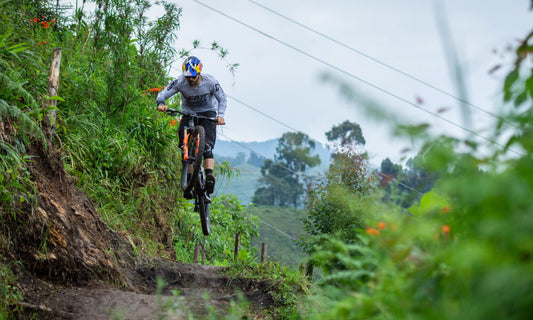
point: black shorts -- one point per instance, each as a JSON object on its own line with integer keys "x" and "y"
{"x": 210, "y": 128}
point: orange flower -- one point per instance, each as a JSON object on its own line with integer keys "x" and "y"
{"x": 382, "y": 225}
{"x": 172, "y": 123}
{"x": 445, "y": 229}
{"x": 372, "y": 231}
{"x": 153, "y": 90}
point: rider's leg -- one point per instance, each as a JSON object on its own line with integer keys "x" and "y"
{"x": 209, "y": 164}
{"x": 210, "y": 138}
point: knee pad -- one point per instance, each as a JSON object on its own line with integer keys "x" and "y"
{"x": 208, "y": 152}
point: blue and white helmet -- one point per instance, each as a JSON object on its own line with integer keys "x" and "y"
{"x": 191, "y": 67}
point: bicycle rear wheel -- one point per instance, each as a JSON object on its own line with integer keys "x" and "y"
{"x": 196, "y": 145}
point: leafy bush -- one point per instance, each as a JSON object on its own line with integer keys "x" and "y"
{"x": 10, "y": 295}
{"x": 331, "y": 208}
{"x": 227, "y": 218}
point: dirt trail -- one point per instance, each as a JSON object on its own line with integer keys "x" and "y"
{"x": 187, "y": 289}
{"x": 87, "y": 271}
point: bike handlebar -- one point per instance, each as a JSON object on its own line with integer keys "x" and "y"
{"x": 174, "y": 112}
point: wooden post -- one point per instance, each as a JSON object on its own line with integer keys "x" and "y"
{"x": 196, "y": 253}
{"x": 49, "y": 119}
{"x": 237, "y": 243}
{"x": 309, "y": 270}
{"x": 263, "y": 252}
{"x": 203, "y": 250}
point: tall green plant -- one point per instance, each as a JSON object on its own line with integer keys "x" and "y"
{"x": 336, "y": 202}
{"x": 17, "y": 127}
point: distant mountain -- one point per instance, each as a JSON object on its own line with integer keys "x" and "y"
{"x": 232, "y": 148}
{"x": 265, "y": 149}
{"x": 244, "y": 186}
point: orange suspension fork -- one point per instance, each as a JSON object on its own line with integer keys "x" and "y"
{"x": 185, "y": 145}
{"x": 197, "y": 143}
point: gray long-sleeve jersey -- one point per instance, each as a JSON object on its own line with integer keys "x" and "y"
{"x": 207, "y": 96}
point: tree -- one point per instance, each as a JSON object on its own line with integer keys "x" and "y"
{"x": 346, "y": 134}
{"x": 390, "y": 168}
{"x": 349, "y": 178}
{"x": 276, "y": 185}
{"x": 405, "y": 186}
{"x": 295, "y": 150}
{"x": 256, "y": 160}
{"x": 389, "y": 172}
{"x": 280, "y": 179}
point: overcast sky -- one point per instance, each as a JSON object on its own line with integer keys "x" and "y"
{"x": 286, "y": 84}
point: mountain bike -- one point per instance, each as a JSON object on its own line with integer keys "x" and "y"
{"x": 192, "y": 156}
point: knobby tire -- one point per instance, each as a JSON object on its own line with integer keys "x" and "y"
{"x": 203, "y": 206}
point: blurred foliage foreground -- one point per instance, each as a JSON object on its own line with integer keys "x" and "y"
{"x": 463, "y": 252}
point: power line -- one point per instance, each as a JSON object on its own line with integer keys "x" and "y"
{"x": 278, "y": 230}
{"x": 427, "y": 84}
{"x": 264, "y": 114}
{"x": 288, "y": 169}
{"x": 381, "y": 174}
{"x": 357, "y": 78}
{"x": 270, "y": 117}
{"x": 274, "y": 162}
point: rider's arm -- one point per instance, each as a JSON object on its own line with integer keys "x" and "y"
{"x": 171, "y": 89}
{"x": 221, "y": 98}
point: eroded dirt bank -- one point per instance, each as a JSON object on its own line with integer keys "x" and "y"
{"x": 75, "y": 267}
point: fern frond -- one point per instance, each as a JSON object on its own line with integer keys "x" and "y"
{"x": 14, "y": 89}
{"x": 23, "y": 120}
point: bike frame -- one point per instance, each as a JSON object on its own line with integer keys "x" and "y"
{"x": 187, "y": 129}
{"x": 197, "y": 183}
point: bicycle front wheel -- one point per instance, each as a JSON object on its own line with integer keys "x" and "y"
{"x": 203, "y": 209}
{"x": 196, "y": 145}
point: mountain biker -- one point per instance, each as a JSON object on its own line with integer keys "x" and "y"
{"x": 201, "y": 94}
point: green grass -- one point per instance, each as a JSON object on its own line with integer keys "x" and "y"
{"x": 242, "y": 186}
{"x": 278, "y": 228}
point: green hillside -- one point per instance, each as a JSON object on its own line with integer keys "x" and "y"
{"x": 280, "y": 228}
{"x": 230, "y": 149}
{"x": 238, "y": 155}
{"x": 242, "y": 186}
